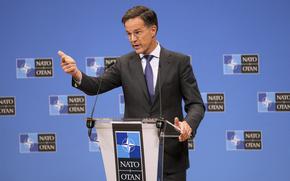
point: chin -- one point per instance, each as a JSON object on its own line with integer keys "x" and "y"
{"x": 139, "y": 51}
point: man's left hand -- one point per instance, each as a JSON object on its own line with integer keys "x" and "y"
{"x": 184, "y": 128}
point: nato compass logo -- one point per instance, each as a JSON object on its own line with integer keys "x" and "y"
{"x": 37, "y": 142}
{"x": 121, "y": 104}
{"x": 64, "y": 104}
{"x": 93, "y": 142}
{"x": 273, "y": 101}
{"x": 240, "y": 64}
{"x": 214, "y": 102}
{"x": 96, "y": 66}
{"x": 7, "y": 106}
{"x": 128, "y": 144}
{"x": 33, "y": 67}
{"x": 243, "y": 140}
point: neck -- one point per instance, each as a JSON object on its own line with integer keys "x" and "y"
{"x": 152, "y": 47}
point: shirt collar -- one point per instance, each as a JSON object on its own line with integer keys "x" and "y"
{"x": 155, "y": 52}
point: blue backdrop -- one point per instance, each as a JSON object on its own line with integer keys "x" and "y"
{"x": 204, "y": 29}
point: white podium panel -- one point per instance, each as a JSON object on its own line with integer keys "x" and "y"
{"x": 129, "y": 149}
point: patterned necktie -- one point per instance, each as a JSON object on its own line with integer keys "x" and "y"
{"x": 149, "y": 76}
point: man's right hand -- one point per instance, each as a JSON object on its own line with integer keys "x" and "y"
{"x": 69, "y": 66}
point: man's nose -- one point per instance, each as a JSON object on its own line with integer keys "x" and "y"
{"x": 133, "y": 37}
{"x": 133, "y": 41}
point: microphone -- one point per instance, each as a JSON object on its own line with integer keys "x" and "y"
{"x": 90, "y": 124}
{"x": 160, "y": 121}
{"x": 90, "y": 120}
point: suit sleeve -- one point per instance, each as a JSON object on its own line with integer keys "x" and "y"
{"x": 194, "y": 106}
{"x": 108, "y": 81}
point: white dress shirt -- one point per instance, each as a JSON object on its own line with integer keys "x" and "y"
{"x": 154, "y": 63}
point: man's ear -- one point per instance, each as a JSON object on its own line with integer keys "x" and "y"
{"x": 153, "y": 30}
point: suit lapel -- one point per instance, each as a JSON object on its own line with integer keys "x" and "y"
{"x": 139, "y": 75}
{"x": 162, "y": 71}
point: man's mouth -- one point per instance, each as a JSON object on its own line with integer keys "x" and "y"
{"x": 136, "y": 46}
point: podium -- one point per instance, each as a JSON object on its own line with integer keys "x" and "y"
{"x": 131, "y": 150}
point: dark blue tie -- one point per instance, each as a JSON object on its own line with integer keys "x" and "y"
{"x": 149, "y": 76}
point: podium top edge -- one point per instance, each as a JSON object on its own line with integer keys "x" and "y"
{"x": 126, "y": 120}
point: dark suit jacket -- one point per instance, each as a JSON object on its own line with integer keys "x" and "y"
{"x": 177, "y": 83}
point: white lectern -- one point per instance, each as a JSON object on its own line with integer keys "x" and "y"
{"x": 130, "y": 149}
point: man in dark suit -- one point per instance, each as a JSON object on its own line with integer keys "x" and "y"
{"x": 143, "y": 74}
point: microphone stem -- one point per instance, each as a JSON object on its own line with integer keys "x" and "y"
{"x": 91, "y": 121}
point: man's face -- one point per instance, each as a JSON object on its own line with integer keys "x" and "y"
{"x": 141, "y": 37}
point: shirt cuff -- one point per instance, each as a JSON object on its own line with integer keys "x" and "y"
{"x": 76, "y": 83}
